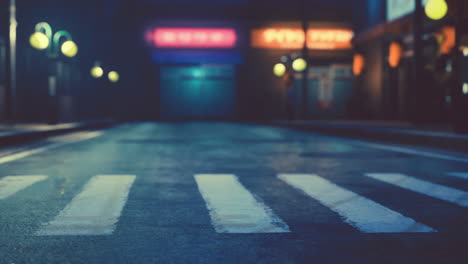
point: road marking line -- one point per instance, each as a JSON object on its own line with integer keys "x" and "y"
{"x": 233, "y": 209}
{"x": 413, "y": 152}
{"x": 13, "y": 184}
{"x": 463, "y": 175}
{"x": 95, "y": 211}
{"x": 358, "y": 211}
{"x": 27, "y": 153}
{"x": 423, "y": 187}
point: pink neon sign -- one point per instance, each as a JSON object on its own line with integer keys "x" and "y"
{"x": 194, "y": 37}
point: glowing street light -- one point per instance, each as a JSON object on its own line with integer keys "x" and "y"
{"x": 436, "y": 9}
{"x": 113, "y": 76}
{"x": 42, "y": 38}
{"x": 299, "y": 64}
{"x": 97, "y": 72}
{"x": 279, "y": 69}
{"x": 69, "y": 49}
{"x": 39, "y": 41}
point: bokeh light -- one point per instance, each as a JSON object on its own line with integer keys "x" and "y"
{"x": 436, "y": 9}
{"x": 279, "y": 69}
{"x": 69, "y": 49}
{"x": 299, "y": 64}
{"x": 39, "y": 41}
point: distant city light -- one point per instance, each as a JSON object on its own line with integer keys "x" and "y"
{"x": 113, "y": 76}
{"x": 465, "y": 88}
{"x": 69, "y": 48}
{"x": 358, "y": 64}
{"x": 395, "y": 54}
{"x": 465, "y": 52}
{"x": 299, "y": 64}
{"x": 39, "y": 40}
{"x": 279, "y": 69}
{"x": 436, "y": 9}
{"x": 293, "y": 38}
{"x": 97, "y": 72}
{"x": 194, "y": 37}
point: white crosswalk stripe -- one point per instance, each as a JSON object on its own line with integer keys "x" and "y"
{"x": 462, "y": 175}
{"x": 233, "y": 209}
{"x": 95, "y": 211}
{"x": 441, "y": 192}
{"x": 358, "y": 211}
{"x": 13, "y": 184}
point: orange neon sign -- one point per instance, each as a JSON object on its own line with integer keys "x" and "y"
{"x": 293, "y": 38}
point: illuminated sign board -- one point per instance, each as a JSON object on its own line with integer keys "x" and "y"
{"x": 400, "y": 8}
{"x": 293, "y": 38}
{"x": 193, "y": 37}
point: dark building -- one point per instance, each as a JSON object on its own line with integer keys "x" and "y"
{"x": 180, "y": 70}
{"x": 425, "y": 83}
{"x": 72, "y": 94}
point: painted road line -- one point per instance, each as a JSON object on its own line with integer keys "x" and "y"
{"x": 423, "y": 187}
{"x": 358, "y": 211}
{"x": 13, "y": 184}
{"x": 233, "y": 209}
{"x": 95, "y": 211}
{"x": 26, "y": 153}
{"x": 414, "y": 152}
{"x": 462, "y": 175}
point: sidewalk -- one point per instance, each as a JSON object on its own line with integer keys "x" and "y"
{"x": 16, "y": 133}
{"x": 389, "y": 131}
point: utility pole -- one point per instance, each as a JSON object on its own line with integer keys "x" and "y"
{"x": 460, "y": 100}
{"x": 13, "y": 26}
{"x": 416, "y": 103}
{"x": 305, "y": 73}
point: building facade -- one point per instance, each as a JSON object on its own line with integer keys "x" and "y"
{"x": 214, "y": 59}
{"x": 415, "y": 67}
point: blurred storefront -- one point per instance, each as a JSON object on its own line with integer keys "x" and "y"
{"x": 329, "y": 78}
{"x": 197, "y": 73}
{"x": 420, "y": 81}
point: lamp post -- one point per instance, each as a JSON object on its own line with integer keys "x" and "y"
{"x": 2, "y": 74}
{"x": 42, "y": 39}
{"x": 13, "y": 26}
{"x": 305, "y": 72}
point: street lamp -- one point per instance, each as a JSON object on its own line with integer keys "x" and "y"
{"x": 279, "y": 69}
{"x": 97, "y": 71}
{"x": 299, "y": 64}
{"x": 43, "y": 38}
{"x": 436, "y": 9}
{"x": 113, "y": 76}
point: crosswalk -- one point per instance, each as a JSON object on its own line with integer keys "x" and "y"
{"x": 233, "y": 208}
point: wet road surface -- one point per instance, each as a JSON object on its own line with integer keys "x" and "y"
{"x": 211, "y": 192}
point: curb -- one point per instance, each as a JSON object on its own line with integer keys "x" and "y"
{"x": 389, "y": 135}
{"x": 25, "y": 136}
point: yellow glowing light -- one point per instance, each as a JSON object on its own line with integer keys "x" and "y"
{"x": 69, "y": 49}
{"x": 395, "y": 53}
{"x": 113, "y": 76}
{"x": 299, "y": 64}
{"x": 279, "y": 69}
{"x": 358, "y": 64}
{"x": 465, "y": 52}
{"x": 39, "y": 41}
{"x": 465, "y": 88}
{"x": 436, "y": 9}
{"x": 97, "y": 72}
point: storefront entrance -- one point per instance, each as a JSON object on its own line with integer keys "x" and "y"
{"x": 197, "y": 92}
{"x": 329, "y": 91}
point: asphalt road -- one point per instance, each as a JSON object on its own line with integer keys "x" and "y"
{"x": 213, "y": 192}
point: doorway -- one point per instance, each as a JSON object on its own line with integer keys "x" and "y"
{"x": 197, "y": 92}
